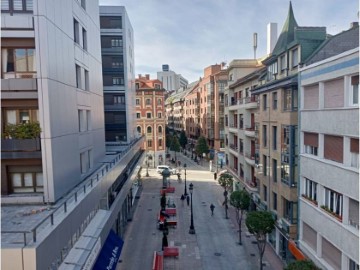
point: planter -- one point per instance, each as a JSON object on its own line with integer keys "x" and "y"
{"x": 314, "y": 202}
{"x": 329, "y": 212}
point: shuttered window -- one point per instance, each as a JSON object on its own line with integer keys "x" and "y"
{"x": 331, "y": 254}
{"x": 333, "y": 148}
{"x": 309, "y": 236}
{"x": 334, "y": 93}
{"x": 311, "y": 139}
{"x": 354, "y": 145}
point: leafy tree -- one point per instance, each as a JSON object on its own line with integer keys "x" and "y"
{"x": 260, "y": 223}
{"x": 183, "y": 139}
{"x": 302, "y": 265}
{"x": 226, "y": 181}
{"x": 241, "y": 202}
{"x": 168, "y": 140}
{"x": 175, "y": 145}
{"x": 201, "y": 146}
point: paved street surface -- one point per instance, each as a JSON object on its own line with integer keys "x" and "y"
{"x": 215, "y": 244}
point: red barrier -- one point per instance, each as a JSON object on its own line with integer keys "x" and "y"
{"x": 158, "y": 262}
{"x": 171, "y": 252}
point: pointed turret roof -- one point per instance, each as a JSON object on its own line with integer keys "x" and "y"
{"x": 287, "y": 33}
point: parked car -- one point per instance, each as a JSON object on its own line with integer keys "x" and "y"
{"x": 160, "y": 169}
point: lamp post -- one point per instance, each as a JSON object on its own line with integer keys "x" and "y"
{"x": 147, "y": 168}
{"x": 226, "y": 203}
{"x": 192, "y": 228}
{"x": 185, "y": 191}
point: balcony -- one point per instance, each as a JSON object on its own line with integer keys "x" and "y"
{"x": 233, "y": 147}
{"x": 250, "y": 131}
{"x": 250, "y": 158}
{"x": 251, "y": 186}
{"x": 20, "y": 148}
{"x": 251, "y": 102}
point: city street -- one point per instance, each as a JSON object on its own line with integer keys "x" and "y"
{"x": 215, "y": 244}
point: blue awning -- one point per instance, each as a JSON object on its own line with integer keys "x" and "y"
{"x": 110, "y": 253}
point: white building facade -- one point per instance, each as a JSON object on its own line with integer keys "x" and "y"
{"x": 329, "y": 161}
{"x": 171, "y": 80}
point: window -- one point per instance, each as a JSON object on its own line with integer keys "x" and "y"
{"x": 148, "y": 101}
{"x": 241, "y": 121}
{"x": 159, "y": 115}
{"x": 354, "y": 95}
{"x": 81, "y": 120}
{"x": 354, "y": 152}
{"x": 138, "y": 129}
{"x": 311, "y": 143}
{"x": 85, "y": 161}
{"x": 264, "y": 136}
{"x": 83, "y": 4}
{"x": 295, "y": 57}
{"x": 160, "y": 129}
{"x": 118, "y": 81}
{"x": 149, "y": 130}
{"x": 110, "y": 22}
{"x": 333, "y": 201}
{"x": 116, "y": 42}
{"x": 148, "y": 115}
{"x": 241, "y": 142}
{"x": 78, "y": 76}
{"x": 159, "y": 101}
{"x": 274, "y": 170}
{"x": 310, "y": 189}
{"x": 21, "y": 116}
{"x": 137, "y": 101}
{"x": 84, "y": 36}
{"x": 289, "y": 210}
{"x": 272, "y": 71}
{"x": 76, "y": 32}
{"x": 291, "y": 99}
{"x": 264, "y": 102}
{"x": 18, "y": 63}
{"x": 138, "y": 115}
{"x": 111, "y": 42}
{"x": 160, "y": 142}
{"x": 27, "y": 182}
{"x": 265, "y": 193}
{"x": 87, "y": 81}
{"x": 333, "y": 148}
{"x": 88, "y": 120}
{"x": 16, "y": 6}
{"x": 275, "y": 100}
{"x": 264, "y": 165}
{"x": 282, "y": 63}
{"x": 119, "y": 99}
{"x": 274, "y": 139}
{"x": 353, "y": 265}
{"x": 149, "y": 143}
{"x": 274, "y": 201}
{"x": 116, "y": 62}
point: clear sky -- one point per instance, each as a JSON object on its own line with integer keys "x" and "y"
{"x": 190, "y": 35}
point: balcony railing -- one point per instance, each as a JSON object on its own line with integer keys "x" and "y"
{"x": 233, "y": 146}
{"x": 16, "y": 145}
{"x": 233, "y": 125}
{"x": 251, "y": 99}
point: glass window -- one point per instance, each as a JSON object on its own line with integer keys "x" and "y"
{"x": 274, "y": 201}
{"x": 295, "y": 57}
{"x": 78, "y": 76}
{"x": 264, "y": 102}
{"x": 355, "y": 90}
{"x": 282, "y": 63}
{"x": 149, "y": 143}
{"x": 110, "y": 22}
{"x": 137, "y": 101}
{"x": 333, "y": 201}
{"x": 76, "y": 32}
{"x": 310, "y": 189}
{"x": 160, "y": 142}
{"x": 148, "y": 101}
{"x": 148, "y": 115}
{"x": 149, "y": 130}
{"x": 275, "y": 101}
{"x": 84, "y": 33}
{"x": 87, "y": 81}
{"x": 138, "y": 115}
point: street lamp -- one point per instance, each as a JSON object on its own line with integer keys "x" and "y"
{"x": 185, "y": 192}
{"x": 192, "y": 228}
{"x": 225, "y": 203}
{"x": 147, "y": 168}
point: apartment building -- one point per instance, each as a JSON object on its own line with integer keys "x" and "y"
{"x": 277, "y": 119}
{"x": 192, "y": 115}
{"x": 171, "y": 80}
{"x": 241, "y": 78}
{"x": 61, "y": 195}
{"x": 241, "y": 131}
{"x": 174, "y": 106}
{"x": 117, "y": 49}
{"x": 150, "y": 118}
{"x": 329, "y": 153}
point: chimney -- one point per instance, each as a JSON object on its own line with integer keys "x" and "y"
{"x": 271, "y": 37}
{"x": 147, "y": 76}
{"x": 354, "y": 24}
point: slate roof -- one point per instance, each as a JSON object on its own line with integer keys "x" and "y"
{"x": 181, "y": 93}
{"x": 335, "y": 45}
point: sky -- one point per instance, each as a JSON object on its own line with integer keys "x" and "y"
{"x": 190, "y": 35}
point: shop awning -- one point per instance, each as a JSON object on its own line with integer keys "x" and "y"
{"x": 295, "y": 251}
{"x": 110, "y": 252}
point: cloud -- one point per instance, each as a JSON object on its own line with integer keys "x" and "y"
{"x": 190, "y": 35}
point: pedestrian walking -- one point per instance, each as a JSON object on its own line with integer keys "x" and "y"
{"x": 212, "y": 207}
{"x": 215, "y": 176}
{"x": 188, "y": 200}
{"x": 182, "y": 199}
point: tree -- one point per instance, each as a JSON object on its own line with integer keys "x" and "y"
{"x": 175, "y": 145}
{"x": 241, "y": 202}
{"x": 226, "y": 181}
{"x": 183, "y": 139}
{"x": 168, "y": 140}
{"x": 260, "y": 223}
{"x": 302, "y": 265}
{"x": 201, "y": 146}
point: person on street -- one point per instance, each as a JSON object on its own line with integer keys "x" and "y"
{"x": 182, "y": 199}
{"x": 215, "y": 176}
{"x": 188, "y": 200}
{"x": 212, "y": 207}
